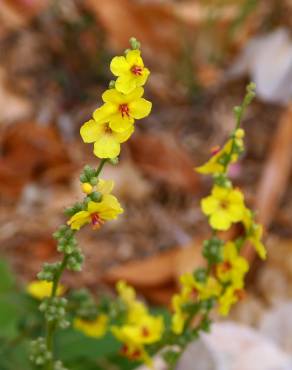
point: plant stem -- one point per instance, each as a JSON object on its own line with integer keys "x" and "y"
{"x": 52, "y": 325}
{"x": 100, "y": 167}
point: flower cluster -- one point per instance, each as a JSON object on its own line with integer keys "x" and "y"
{"x": 221, "y": 283}
{"x": 113, "y": 122}
{"x": 139, "y": 328}
{"x": 111, "y": 125}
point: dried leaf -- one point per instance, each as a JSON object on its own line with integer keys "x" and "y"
{"x": 163, "y": 158}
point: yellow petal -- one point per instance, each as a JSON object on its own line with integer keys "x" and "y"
{"x": 126, "y": 83}
{"x": 123, "y": 136}
{"x": 91, "y": 131}
{"x": 134, "y": 95}
{"x": 95, "y": 329}
{"x": 103, "y": 113}
{"x": 120, "y": 124}
{"x": 133, "y": 57}
{"x": 105, "y": 186}
{"x": 119, "y": 65}
{"x": 109, "y": 207}
{"x": 79, "y": 219}
{"x": 220, "y": 220}
{"x": 113, "y": 96}
{"x": 43, "y": 289}
{"x": 107, "y": 147}
{"x": 140, "y": 108}
{"x": 209, "y": 205}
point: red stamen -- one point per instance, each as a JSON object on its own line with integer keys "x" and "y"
{"x": 124, "y": 109}
{"x": 145, "y": 332}
{"x": 226, "y": 266}
{"x": 96, "y": 221}
{"x": 136, "y": 70}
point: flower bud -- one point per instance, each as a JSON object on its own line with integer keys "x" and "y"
{"x": 86, "y": 187}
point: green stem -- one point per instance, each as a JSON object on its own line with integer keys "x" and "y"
{"x": 100, "y": 167}
{"x": 51, "y": 326}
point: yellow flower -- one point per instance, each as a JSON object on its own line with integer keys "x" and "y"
{"x": 42, "y": 289}
{"x": 107, "y": 143}
{"x": 234, "y": 267}
{"x": 213, "y": 165}
{"x": 135, "y": 309}
{"x": 95, "y": 329}
{"x": 202, "y": 290}
{"x": 140, "y": 328}
{"x": 105, "y": 186}
{"x": 148, "y": 330}
{"x": 120, "y": 110}
{"x": 130, "y": 71}
{"x": 97, "y": 213}
{"x": 191, "y": 290}
{"x": 231, "y": 295}
{"x": 179, "y": 317}
{"x": 224, "y": 206}
{"x": 254, "y": 234}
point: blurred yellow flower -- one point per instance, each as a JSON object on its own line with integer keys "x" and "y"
{"x": 179, "y": 317}
{"x": 130, "y": 71}
{"x": 97, "y": 213}
{"x": 254, "y": 234}
{"x": 107, "y": 143}
{"x": 215, "y": 165}
{"x": 224, "y": 206}
{"x": 231, "y": 295}
{"x": 140, "y": 327}
{"x": 95, "y": 329}
{"x": 191, "y": 290}
{"x": 120, "y": 110}
{"x": 42, "y": 289}
{"x": 234, "y": 267}
{"x": 148, "y": 330}
{"x": 105, "y": 186}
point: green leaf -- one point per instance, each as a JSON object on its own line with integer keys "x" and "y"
{"x": 75, "y": 345}
{"x": 7, "y": 281}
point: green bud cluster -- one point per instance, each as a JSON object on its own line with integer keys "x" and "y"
{"x": 49, "y": 271}
{"x": 70, "y": 211}
{"x": 39, "y": 354}
{"x": 86, "y": 307}
{"x": 95, "y": 196}
{"x": 54, "y": 309}
{"x": 89, "y": 174}
{"x": 58, "y": 365}
{"x": 213, "y": 249}
{"x": 75, "y": 260}
{"x": 67, "y": 244}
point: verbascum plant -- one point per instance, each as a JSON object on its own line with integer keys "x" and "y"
{"x": 216, "y": 286}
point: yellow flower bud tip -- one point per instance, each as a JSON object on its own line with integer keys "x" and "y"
{"x": 43, "y": 289}
{"x": 86, "y": 188}
{"x": 239, "y": 133}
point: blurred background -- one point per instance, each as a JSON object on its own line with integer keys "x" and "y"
{"x": 54, "y": 65}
